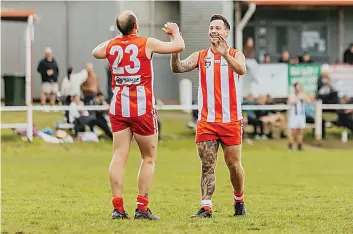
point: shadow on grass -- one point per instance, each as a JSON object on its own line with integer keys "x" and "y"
{"x": 10, "y": 138}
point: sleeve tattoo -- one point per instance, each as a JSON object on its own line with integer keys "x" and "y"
{"x": 208, "y": 155}
{"x": 188, "y": 64}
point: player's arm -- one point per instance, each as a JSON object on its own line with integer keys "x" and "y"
{"x": 100, "y": 51}
{"x": 176, "y": 44}
{"x": 236, "y": 63}
{"x": 186, "y": 65}
{"x": 161, "y": 47}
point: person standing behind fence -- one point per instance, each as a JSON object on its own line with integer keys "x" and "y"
{"x": 71, "y": 86}
{"x": 90, "y": 87}
{"x": 296, "y": 119}
{"x": 49, "y": 71}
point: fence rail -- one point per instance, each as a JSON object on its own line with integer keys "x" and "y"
{"x": 29, "y": 109}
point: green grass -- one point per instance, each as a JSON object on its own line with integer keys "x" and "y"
{"x": 49, "y": 188}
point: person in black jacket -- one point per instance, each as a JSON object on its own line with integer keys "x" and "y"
{"x": 345, "y": 117}
{"x": 348, "y": 55}
{"x": 325, "y": 90}
{"x": 49, "y": 71}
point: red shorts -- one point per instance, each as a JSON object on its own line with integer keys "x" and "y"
{"x": 144, "y": 125}
{"x": 228, "y": 133}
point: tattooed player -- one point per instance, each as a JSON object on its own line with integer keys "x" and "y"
{"x": 220, "y": 117}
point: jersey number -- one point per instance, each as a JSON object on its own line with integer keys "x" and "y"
{"x": 132, "y": 51}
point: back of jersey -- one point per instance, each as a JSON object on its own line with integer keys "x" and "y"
{"x": 132, "y": 76}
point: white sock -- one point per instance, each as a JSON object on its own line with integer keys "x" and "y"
{"x": 206, "y": 203}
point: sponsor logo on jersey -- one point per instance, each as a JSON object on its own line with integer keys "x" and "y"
{"x": 127, "y": 80}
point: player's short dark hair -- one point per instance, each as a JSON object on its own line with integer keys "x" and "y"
{"x": 127, "y": 25}
{"x": 221, "y": 17}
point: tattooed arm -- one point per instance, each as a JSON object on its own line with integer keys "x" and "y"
{"x": 208, "y": 155}
{"x": 188, "y": 64}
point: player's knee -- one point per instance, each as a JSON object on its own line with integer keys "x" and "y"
{"x": 118, "y": 156}
{"x": 207, "y": 169}
{"x": 233, "y": 164}
{"x": 149, "y": 159}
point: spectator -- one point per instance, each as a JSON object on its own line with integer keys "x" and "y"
{"x": 49, "y": 71}
{"x": 325, "y": 90}
{"x": 248, "y": 50}
{"x": 66, "y": 87}
{"x": 348, "y": 55}
{"x": 251, "y": 117}
{"x": 305, "y": 58}
{"x": 81, "y": 118}
{"x": 100, "y": 115}
{"x": 271, "y": 120}
{"x": 310, "y": 114}
{"x": 267, "y": 59}
{"x": 284, "y": 57}
{"x": 71, "y": 86}
{"x": 345, "y": 117}
{"x": 251, "y": 65}
{"x": 77, "y": 117}
{"x": 90, "y": 87}
{"x": 280, "y": 118}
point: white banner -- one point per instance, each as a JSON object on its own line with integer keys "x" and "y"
{"x": 271, "y": 79}
{"x": 341, "y": 76}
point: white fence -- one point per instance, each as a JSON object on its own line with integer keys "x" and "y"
{"x": 319, "y": 107}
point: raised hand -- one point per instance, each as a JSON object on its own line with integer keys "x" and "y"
{"x": 220, "y": 45}
{"x": 171, "y": 28}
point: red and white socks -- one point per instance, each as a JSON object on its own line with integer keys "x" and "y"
{"x": 142, "y": 203}
{"x": 238, "y": 197}
{"x": 206, "y": 205}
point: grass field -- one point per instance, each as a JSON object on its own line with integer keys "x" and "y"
{"x": 48, "y": 188}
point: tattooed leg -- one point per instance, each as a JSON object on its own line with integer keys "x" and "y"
{"x": 208, "y": 154}
{"x": 232, "y": 157}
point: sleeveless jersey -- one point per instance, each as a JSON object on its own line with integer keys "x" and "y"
{"x": 219, "y": 94}
{"x": 132, "y": 76}
{"x": 297, "y": 109}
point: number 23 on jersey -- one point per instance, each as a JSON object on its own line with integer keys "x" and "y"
{"x": 131, "y": 52}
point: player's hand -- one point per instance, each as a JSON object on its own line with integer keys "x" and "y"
{"x": 220, "y": 45}
{"x": 171, "y": 29}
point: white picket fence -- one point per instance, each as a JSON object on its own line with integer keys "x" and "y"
{"x": 319, "y": 107}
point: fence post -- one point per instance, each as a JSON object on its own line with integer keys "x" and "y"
{"x": 318, "y": 120}
{"x": 185, "y": 94}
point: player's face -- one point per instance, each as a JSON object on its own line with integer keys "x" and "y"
{"x": 297, "y": 88}
{"x": 216, "y": 28}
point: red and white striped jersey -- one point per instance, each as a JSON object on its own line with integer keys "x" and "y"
{"x": 219, "y": 94}
{"x": 132, "y": 76}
